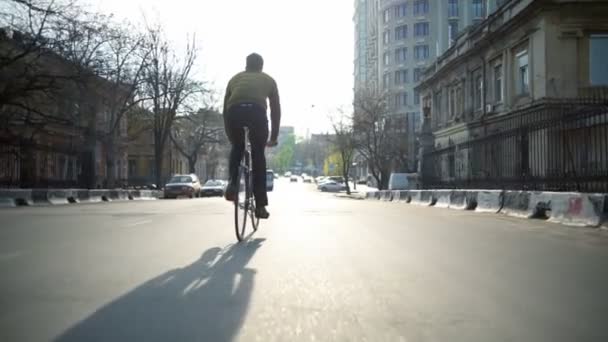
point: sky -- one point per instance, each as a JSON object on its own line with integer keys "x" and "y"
{"x": 307, "y": 46}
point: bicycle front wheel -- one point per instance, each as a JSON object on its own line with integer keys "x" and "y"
{"x": 241, "y": 204}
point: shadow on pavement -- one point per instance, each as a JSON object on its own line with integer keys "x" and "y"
{"x": 204, "y": 301}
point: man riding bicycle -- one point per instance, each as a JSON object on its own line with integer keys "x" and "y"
{"x": 245, "y": 106}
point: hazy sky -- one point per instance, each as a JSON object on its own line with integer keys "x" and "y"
{"x": 307, "y": 46}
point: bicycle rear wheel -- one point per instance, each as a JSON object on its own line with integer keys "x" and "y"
{"x": 241, "y": 203}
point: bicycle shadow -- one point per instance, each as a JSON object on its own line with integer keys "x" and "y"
{"x": 204, "y": 301}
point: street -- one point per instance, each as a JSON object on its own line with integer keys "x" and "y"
{"x": 321, "y": 268}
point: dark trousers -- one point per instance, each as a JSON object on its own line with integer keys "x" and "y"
{"x": 254, "y": 117}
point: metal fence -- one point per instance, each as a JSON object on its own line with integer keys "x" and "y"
{"x": 553, "y": 146}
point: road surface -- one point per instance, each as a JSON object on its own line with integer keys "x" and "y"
{"x": 321, "y": 269}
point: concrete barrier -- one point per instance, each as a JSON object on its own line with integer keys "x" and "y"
{"x": 15, "y": 197}
{"x": 415, "y": 196}
{"x": 385, "y": 195}
{"x": 98, "y": 195}
{"x": 58, "y": 196}
{"x": 518, "y": 204}
{"x": 7, "y": 198}
{"x": 442, "y": 198}
{"x": 395, "y": 195}
{"x": 134, "y": 194}
{"x": 82, "y": 195}
{"x": 404, "y": 196}
{"x": 526, "y": 204}
{"x": 577, "y": 209}
{"x": 463, "y": 200}
{"x": 370, "y": 194}
{"x": 422, "y": 197}
{"x": 490, "y": 201}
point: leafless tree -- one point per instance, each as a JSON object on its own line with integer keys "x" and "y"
{"x": 168, "y": 88}
{"x": 374, "y": 140}
{"x": 126, "y": 56}
{"x": 344, "y": 144}
{"x": 191, "y": 134}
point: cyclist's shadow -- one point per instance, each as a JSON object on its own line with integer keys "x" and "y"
{"x": 204, "y": 301}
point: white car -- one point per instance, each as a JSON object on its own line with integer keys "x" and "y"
{"x": 183, "y": 185}
{"x": 331, "y": 186}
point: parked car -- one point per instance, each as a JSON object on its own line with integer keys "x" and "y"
{"x": 332, "y": 186}
{"x": 403, "y": 181}
{"x": 287, "y": 174}
{"x": 213, "y": 188}
{"x": 307, "y": 179}
{"x": 183, "y": 185}
{"x": 293, "y": 179}
{"x": 319, "y": 179}
{"x": 269, "y": 180}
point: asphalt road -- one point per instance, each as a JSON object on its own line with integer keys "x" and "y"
{"x": 321, "y": 269}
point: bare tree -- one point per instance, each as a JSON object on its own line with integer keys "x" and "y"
{"x": 168, "y": 87}
{"x": 126, "y": 55}
{"x": 191, "y": 133}
{"x": 374, "y": 141}
{"x": 344, "y": 144}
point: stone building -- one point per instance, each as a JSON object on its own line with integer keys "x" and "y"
{"x": 519, "y": 100}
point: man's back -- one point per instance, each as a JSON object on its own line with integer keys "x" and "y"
{"x": 250, "y": 87}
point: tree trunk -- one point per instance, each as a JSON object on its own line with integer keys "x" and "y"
{"x": 158, "y": 164}
{"x": 192, "y": 164}
{"x": 110, "y": 163}
{"x": 345, "y": 172}
{"x": 27, "y": 169}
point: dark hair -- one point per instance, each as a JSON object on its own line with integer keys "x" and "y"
{"x": 255, "y": 62}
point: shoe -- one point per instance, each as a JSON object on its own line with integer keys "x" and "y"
{"x": 262, "y": 213}
{"x": 230, "y": 193}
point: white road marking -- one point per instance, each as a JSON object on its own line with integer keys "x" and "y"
{"x": 138, "y": 223}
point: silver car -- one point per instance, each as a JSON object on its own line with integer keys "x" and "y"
{"x": 183, "y": 185}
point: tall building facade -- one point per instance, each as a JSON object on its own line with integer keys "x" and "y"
{"x": 396, "y": 40}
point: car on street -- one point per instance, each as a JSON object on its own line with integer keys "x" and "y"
{"x": 269, "y": 180}
{"x": 287, "y": 174}
{"x": 307, "y": 179}
{"x": 331, "y": 186}
{"x": 213, "y": 188}
{"x": 183, "y": 185}
{"x": 293, "y": 179}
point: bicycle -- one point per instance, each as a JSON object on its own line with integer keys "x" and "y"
{"x": 244, "y": 203}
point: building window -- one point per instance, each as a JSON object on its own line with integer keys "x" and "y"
{"x": 421, "y": 7}
{"x": 478, "y": 91}
{"x": 386, "y": 80}
{"x": 387, "y": 59}
{"x": 401, "y": 55}
{"x": 452, "y": 102}
{"x": 452, "y": 8}
{"x": 479, "y": 9}
{"x": 401, "y": 32}
{"x": 401, "y": 99}
{"x": 386, "y": 37}
{"x": 523, "y": 73}
{"x": 401, "y": 77}
{"x": 401, "y": 10}
{"x": 421, "y": 29}
{"x": 418, "y": 74}
{"x": 452, "y": 31}
{"x": 387, "y": 16}
{"x": 598, "y": 68}
{"x": 421, "y": 52}
{"x": 498, "y": 82}
{"x": 416, "y": 97}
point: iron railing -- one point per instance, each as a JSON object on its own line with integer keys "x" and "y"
{"x": 552, "y": 146}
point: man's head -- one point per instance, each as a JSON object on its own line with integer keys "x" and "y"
{"x": 255, "y": 62}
